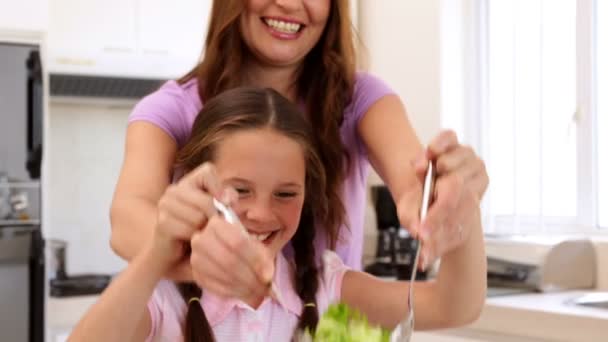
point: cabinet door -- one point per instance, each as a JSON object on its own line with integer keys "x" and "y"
{"x": 468, "y": 335}
{"x": 171, "y": 33}
{"x": 24, "y": 15}
{"x": 80, "y": 32}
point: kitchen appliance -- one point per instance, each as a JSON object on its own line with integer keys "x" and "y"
{"x": 21, "y": 242}
{"x": 56, "y": 250}
{"x": 63, "y": 284}
{"x": 396, "y": 249}
{"x": 543, "y": 264}
{"x": 21, "y": 284}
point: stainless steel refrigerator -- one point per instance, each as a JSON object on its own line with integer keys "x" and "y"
{"x": 21, "y": 243}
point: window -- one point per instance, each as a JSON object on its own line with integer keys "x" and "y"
{"x": 602, "y": 108}
{"x": 534, "y": 72}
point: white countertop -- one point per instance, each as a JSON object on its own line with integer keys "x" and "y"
{"x": 538, "y": 317}
{"x": 546, "y": 316}
{"x": 62, "y": 314}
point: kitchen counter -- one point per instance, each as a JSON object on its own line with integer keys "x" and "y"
{"x": 526, "y": 317}
{"x": 534, "y": 317}
{"x": 62, "y": 314}
{"x": 549, "y": 316}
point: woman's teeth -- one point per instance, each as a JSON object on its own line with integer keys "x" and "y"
{"x": 283, "y": 26}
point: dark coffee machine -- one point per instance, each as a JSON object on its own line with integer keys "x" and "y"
{"x": 396, "y": 249}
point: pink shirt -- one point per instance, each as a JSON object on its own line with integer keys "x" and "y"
{"x": 174, "y": 107}
{"x": 233, "y": 320}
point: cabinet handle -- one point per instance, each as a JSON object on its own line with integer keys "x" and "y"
{"x": 163, "y": 52}
{"x": 75, "y": 61}
{"x": 117, "y": 49}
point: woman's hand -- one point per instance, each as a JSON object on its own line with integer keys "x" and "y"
{"x": 228, "y": 263}
{"x": 183, "y": 210}
{"x": 454, "y": 159}
{"x": 460, "y": 184}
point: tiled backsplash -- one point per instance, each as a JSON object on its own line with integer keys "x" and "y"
{"x": 84, "y": 159}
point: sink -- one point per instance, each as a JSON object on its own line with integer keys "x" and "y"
{"x": 595, "y": 300}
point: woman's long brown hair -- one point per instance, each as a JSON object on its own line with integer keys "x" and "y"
{"x": 325, "y": 81}
{"x": 254, "y": 108}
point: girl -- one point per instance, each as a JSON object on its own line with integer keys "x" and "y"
{"x": 259, "y": 144}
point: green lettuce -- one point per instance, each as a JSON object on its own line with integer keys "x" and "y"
{"x": 343, "y": 324}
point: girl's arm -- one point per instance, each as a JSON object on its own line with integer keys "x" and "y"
{"x": 121, "y": 313}
{"x": 454, "y": 298}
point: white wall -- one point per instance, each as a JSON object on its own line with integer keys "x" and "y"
{"x": 85, "y": 154}
{"x": 401, "y": 41}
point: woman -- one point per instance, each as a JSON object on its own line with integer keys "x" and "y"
{"x": 304, "y": 50}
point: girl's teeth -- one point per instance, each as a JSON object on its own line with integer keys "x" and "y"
{"x": 283, "y": 26}
{"x": 260, "y": 237}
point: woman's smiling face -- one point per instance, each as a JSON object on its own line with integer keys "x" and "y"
{"x": 282, "y": 33}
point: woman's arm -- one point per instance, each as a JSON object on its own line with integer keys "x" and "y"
{"x": 453, "y": 299}
{"x": 452, "y": 228}
{"x": 391, "y": 144}
{"x": 146, "y": 172}
{"x": 121, "y": 313}
{"x": 397, "y": 156}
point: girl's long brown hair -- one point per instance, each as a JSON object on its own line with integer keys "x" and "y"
{"x": 254, "y": 108}
{"x": 325, "y": 81}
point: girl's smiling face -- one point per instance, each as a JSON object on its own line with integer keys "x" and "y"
{"x": 268, "y": 170}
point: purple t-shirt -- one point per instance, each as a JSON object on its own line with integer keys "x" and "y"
{"x": 174, "y": 107}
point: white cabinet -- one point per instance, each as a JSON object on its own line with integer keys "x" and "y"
{"x": 126, "y": 38}
{"x": 24, "y": 15}
{"x": 171, "y": 33}
{"x": 62, "y": 315}
{"x": 82, "y": 30}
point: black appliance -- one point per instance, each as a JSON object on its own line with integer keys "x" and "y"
{"x": 22, "y": 262}
{"x": 395, "y": 251}
{"x": 62, "y": 284}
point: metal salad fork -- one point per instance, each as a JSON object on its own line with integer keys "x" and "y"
{"x": 406, "y": 327}
{"x": 231, "y": 217}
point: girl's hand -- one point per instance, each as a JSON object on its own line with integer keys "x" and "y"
{"x": 228, "y": 263}
{"x": 460, "y": 184}
{"x": 184, "y": 209}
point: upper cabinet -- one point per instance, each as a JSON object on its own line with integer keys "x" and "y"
{"x": 24, "y": 15}
{"x": 86, "y": 28}
{"x": 173, "y": 31}
{"x": 126, "y": 38}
